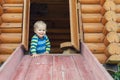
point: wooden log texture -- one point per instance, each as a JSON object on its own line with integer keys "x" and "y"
{"x": 10, "y": 38}
{"x": 103, "y": 20}
{"x": 110, "y": 26}
{"x": 89, "y": 1}
{"x": 110, "y": 16}
{"x": 117, "y": 1}
{"x": 11, "y": 25}
{"x": 93, "y": 37}
{"x": 13, "y": 17}
{"x": 112, "y": 49}
{"x": 112, "y": 37}
{"x": 0, "y": 20}
{"x": 3, "y": 57}
{"x": 109, "y": 5}
{"x": 102, "y": 2}
{"x": 12, "y": 5}
{"x": 92, "y": 27}
{"x": 1, "y": 1}
{"x": 114, "y": 59}
{"x": 96, "y": 47}
{"x": 1, "y": 10}
{"x": 11, "y": 30}
{"x": 117, "y": 8}
{"x": 13, "y": 1}
{"x": 118, "y": 17}
{"x": 101, "y": 57}
{"x": 94, "y": 18}
{"x": 88, "y": 8}
{"x": 66, "y": 45}
{"x": 118, "y": 30}
{"x": 13, "y": 9}
{"x": 7, "y": 48}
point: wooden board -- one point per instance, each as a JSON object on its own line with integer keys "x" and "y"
{"x": 53, "y": 67}
{"x": 74, "y": 24}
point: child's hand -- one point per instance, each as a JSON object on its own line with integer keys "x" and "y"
{"x": 46, "y": 52}
{"x": 35, "y": 55}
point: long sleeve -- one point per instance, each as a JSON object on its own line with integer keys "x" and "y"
{"x": 47, "y": 44}
{"x": 33, "y": 44}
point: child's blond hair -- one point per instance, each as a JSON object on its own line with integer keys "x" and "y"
{"x": 39, "y": 23}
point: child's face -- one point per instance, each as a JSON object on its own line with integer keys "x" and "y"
{"x": 40, "y": 31}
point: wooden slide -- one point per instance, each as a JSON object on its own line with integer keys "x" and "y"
{"x": 89, "y": 23}
{"x": 83, "y": 66}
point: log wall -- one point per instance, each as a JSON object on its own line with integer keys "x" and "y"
{"x": 112, "y": 36}
{"x": 93, "y": 25}
{"x": 101, "y": 25}
{"x": 10, "y": 26}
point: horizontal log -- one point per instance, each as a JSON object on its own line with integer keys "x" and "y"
{"x": 117, "y": 8}
{"x": 12, "y": 5}
{"x": 118, "y": 18}
{"x": 89, "y": 1}
{"x": 110, "y": 26}
{"x": 93, "y": 37}
{"x": 3, "y": 57}
{"x": 10, "y": 38}
{"x": 92, "y": 27}
{"x": 101, "y": 58}
{"x": 13, "y": 1}
{"x": 8, "y": 48}
{"x": 117, "y": 1}
{"x": 93, "y": 18}
{"x": 13, "y": 17}
{"x": 11, "y": 30}
{"x": 112, "y": 37}
{"x": 13, "y": 9}
{"x": 113, "y": 48}
{"x": 11, "y": 25}
{"x": 96, "y": 47}
{"x": 91, "y": 8}
{"x": 113, "y": 59}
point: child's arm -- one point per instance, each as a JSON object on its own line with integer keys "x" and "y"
{"x": 33, "y": 45}
{"x": 47, "y": 45}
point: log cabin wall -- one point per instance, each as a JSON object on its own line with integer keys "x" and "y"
{"x": 10, "y": 26}
{"x": 101, "y": 28}
{"x": 93, "y": 19}
{"x": 112, "y": 31}
{"x": 93, "y": 23}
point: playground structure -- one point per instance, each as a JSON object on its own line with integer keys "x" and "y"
{"x": 96, "y": 26}
{"x": 93, "y": 22}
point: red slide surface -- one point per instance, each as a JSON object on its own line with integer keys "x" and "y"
{"x": 82, "y": 66}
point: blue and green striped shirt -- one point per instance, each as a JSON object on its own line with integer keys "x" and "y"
{"x": 39, "y": 45}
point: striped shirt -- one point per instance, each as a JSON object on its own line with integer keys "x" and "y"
{"x": 39, "y": 45}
